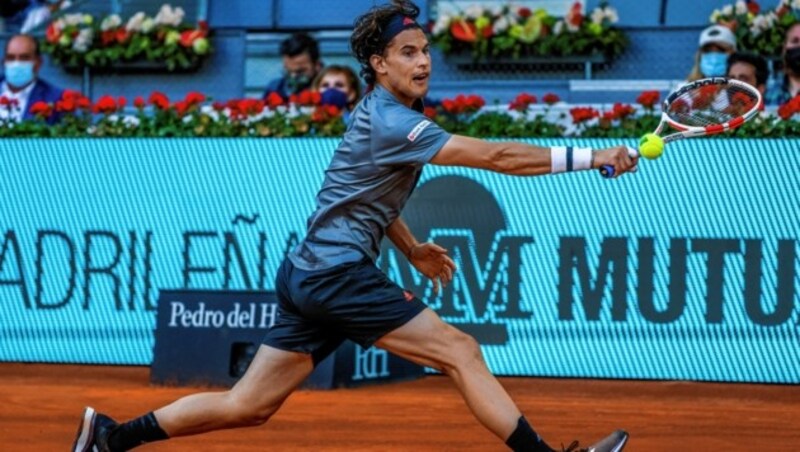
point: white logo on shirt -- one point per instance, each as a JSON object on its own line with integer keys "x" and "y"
{"x": 418, "y": 129}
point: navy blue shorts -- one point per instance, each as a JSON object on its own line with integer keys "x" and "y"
{"x": 319, "y": 309}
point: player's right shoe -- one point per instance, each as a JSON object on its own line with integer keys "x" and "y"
{"x": 93, "y": 432}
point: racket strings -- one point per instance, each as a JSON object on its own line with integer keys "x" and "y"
{"x": 711, "y": 104}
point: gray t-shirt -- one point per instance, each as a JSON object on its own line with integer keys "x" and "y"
{"x": 372, "y": 174}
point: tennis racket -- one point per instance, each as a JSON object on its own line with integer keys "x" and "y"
{"x": 704, "y": 107}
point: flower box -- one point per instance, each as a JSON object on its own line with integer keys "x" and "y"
{"x": 161, "y": 43}
{"x": 508, "y": 34}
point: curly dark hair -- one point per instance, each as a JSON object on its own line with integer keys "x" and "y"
{"x": 367, "y": 38}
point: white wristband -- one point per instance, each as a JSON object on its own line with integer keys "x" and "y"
{"x": 581, "y": 159}
{"x": 570, "y": 159}
{"x": 558, "y": 159}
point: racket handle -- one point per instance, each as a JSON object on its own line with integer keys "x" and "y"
{"x": 608, "y": 171}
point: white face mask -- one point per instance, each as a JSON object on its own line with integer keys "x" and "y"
{"x": 19, "y": 73}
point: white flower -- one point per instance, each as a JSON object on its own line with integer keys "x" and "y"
{"x": 131, "y": 122}
{"x": 135, "y": 23}
{"x": 741, "y": 7}
{"x": 611, "y": 15}
{"x": 110, "y": 22}
{"x": 496, "y": 10}
{"x": 59, "y": 24}
{"x": 73, "y": 19}
{"x": 715, "y": 16}
{"x": 501, "y": 25}
{"x": 83, "y": 40}
{"x": 148, "y": 24}
{"x": 755, "y": 31}
{"x": 473, "y": 11}
{"x": 441, "y": 24}
{"x": 558, "y": 28}
{"x": 169, "y": 16}
{"x": 598, "y": 15}
{"x": 727, "y": 10}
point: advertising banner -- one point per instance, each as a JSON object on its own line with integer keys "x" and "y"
{"x": 689, "y": 269}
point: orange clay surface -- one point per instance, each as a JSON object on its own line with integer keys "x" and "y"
{"x": 40, "y": 406}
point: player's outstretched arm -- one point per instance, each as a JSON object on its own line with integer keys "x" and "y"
{"x": 527, "y": 160}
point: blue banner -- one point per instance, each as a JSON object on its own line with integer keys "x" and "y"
{"x": 688, "y": 269}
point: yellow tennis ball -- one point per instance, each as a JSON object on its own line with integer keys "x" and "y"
{"x": 651, "y": 146}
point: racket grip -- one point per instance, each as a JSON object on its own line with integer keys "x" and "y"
{"x": 608, "y": 171}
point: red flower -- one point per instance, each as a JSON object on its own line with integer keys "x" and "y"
{"x": 138, "y": 102}
{"x": 108, "y": 37}
{"x": 575, "y": 15}
{"x": 583, "y": 114}
{"x": 247, "y": 107}
{"x": 274, "y": 100}
{"x": 71, "y": 94}
{"x": 522, "y": 102}
{"x": 648, "y": 99}
{"x": 790, "y": 108}
{"x": 618, "y": 111}
{"x": 463, "y": 104}
{"x": 218, "y": 106}
{"x": 195, "y": 98}
{"x": 66, "y": 106}
{"x": 524, "y": 12}
{"x": 430, "y": 112}
{"x": 159, "y": 100}
{"x": 181, "y": 107}
{"x": 550, "y": 99}
{"x": 753, "y": 7}
{"x": 122, "y": 35}
{"x": 105, "y": 105}
{"x": 53, "y": 34}
{"x": 306, "y": 98}
{"x": 464, "y": 31}
{"x": 188, "y": 37}
{"x": 41, "y": 109}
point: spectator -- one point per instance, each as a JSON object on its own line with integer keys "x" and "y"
{"x": 711, "y": 60}
{"x": 749, "y": 68}
{"x": 22, "y": 61}
{"x": 339, "y": 86}
{"x": 301, "y": 63}
{"x": 790, "y": 87}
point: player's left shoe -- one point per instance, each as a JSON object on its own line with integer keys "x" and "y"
{"x": 93, "y": 432}
{"x": 614, "y": 442}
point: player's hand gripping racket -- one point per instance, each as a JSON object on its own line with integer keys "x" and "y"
{"x": 705, "y": 107}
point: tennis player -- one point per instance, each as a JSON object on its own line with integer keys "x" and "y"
{"x": 329, "y": 288}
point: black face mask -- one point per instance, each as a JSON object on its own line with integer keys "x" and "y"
{"x": 792, "y": 60}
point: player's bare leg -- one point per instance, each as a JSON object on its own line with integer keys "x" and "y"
{"x": 427, "y": 340}
{"x": 272, "y": 376}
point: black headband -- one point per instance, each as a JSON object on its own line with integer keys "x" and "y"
{"x": 397, "y": 24}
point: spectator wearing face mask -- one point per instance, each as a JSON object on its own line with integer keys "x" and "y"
{"x": 790, "y": 87}
{"x": 339, "y": 87}
{"x": 21, "y": 83}
{"x": 711, "y": 60}
{"x": 301, "y": 63}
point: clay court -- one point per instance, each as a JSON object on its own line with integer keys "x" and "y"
{"x": 42, "y": 403}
